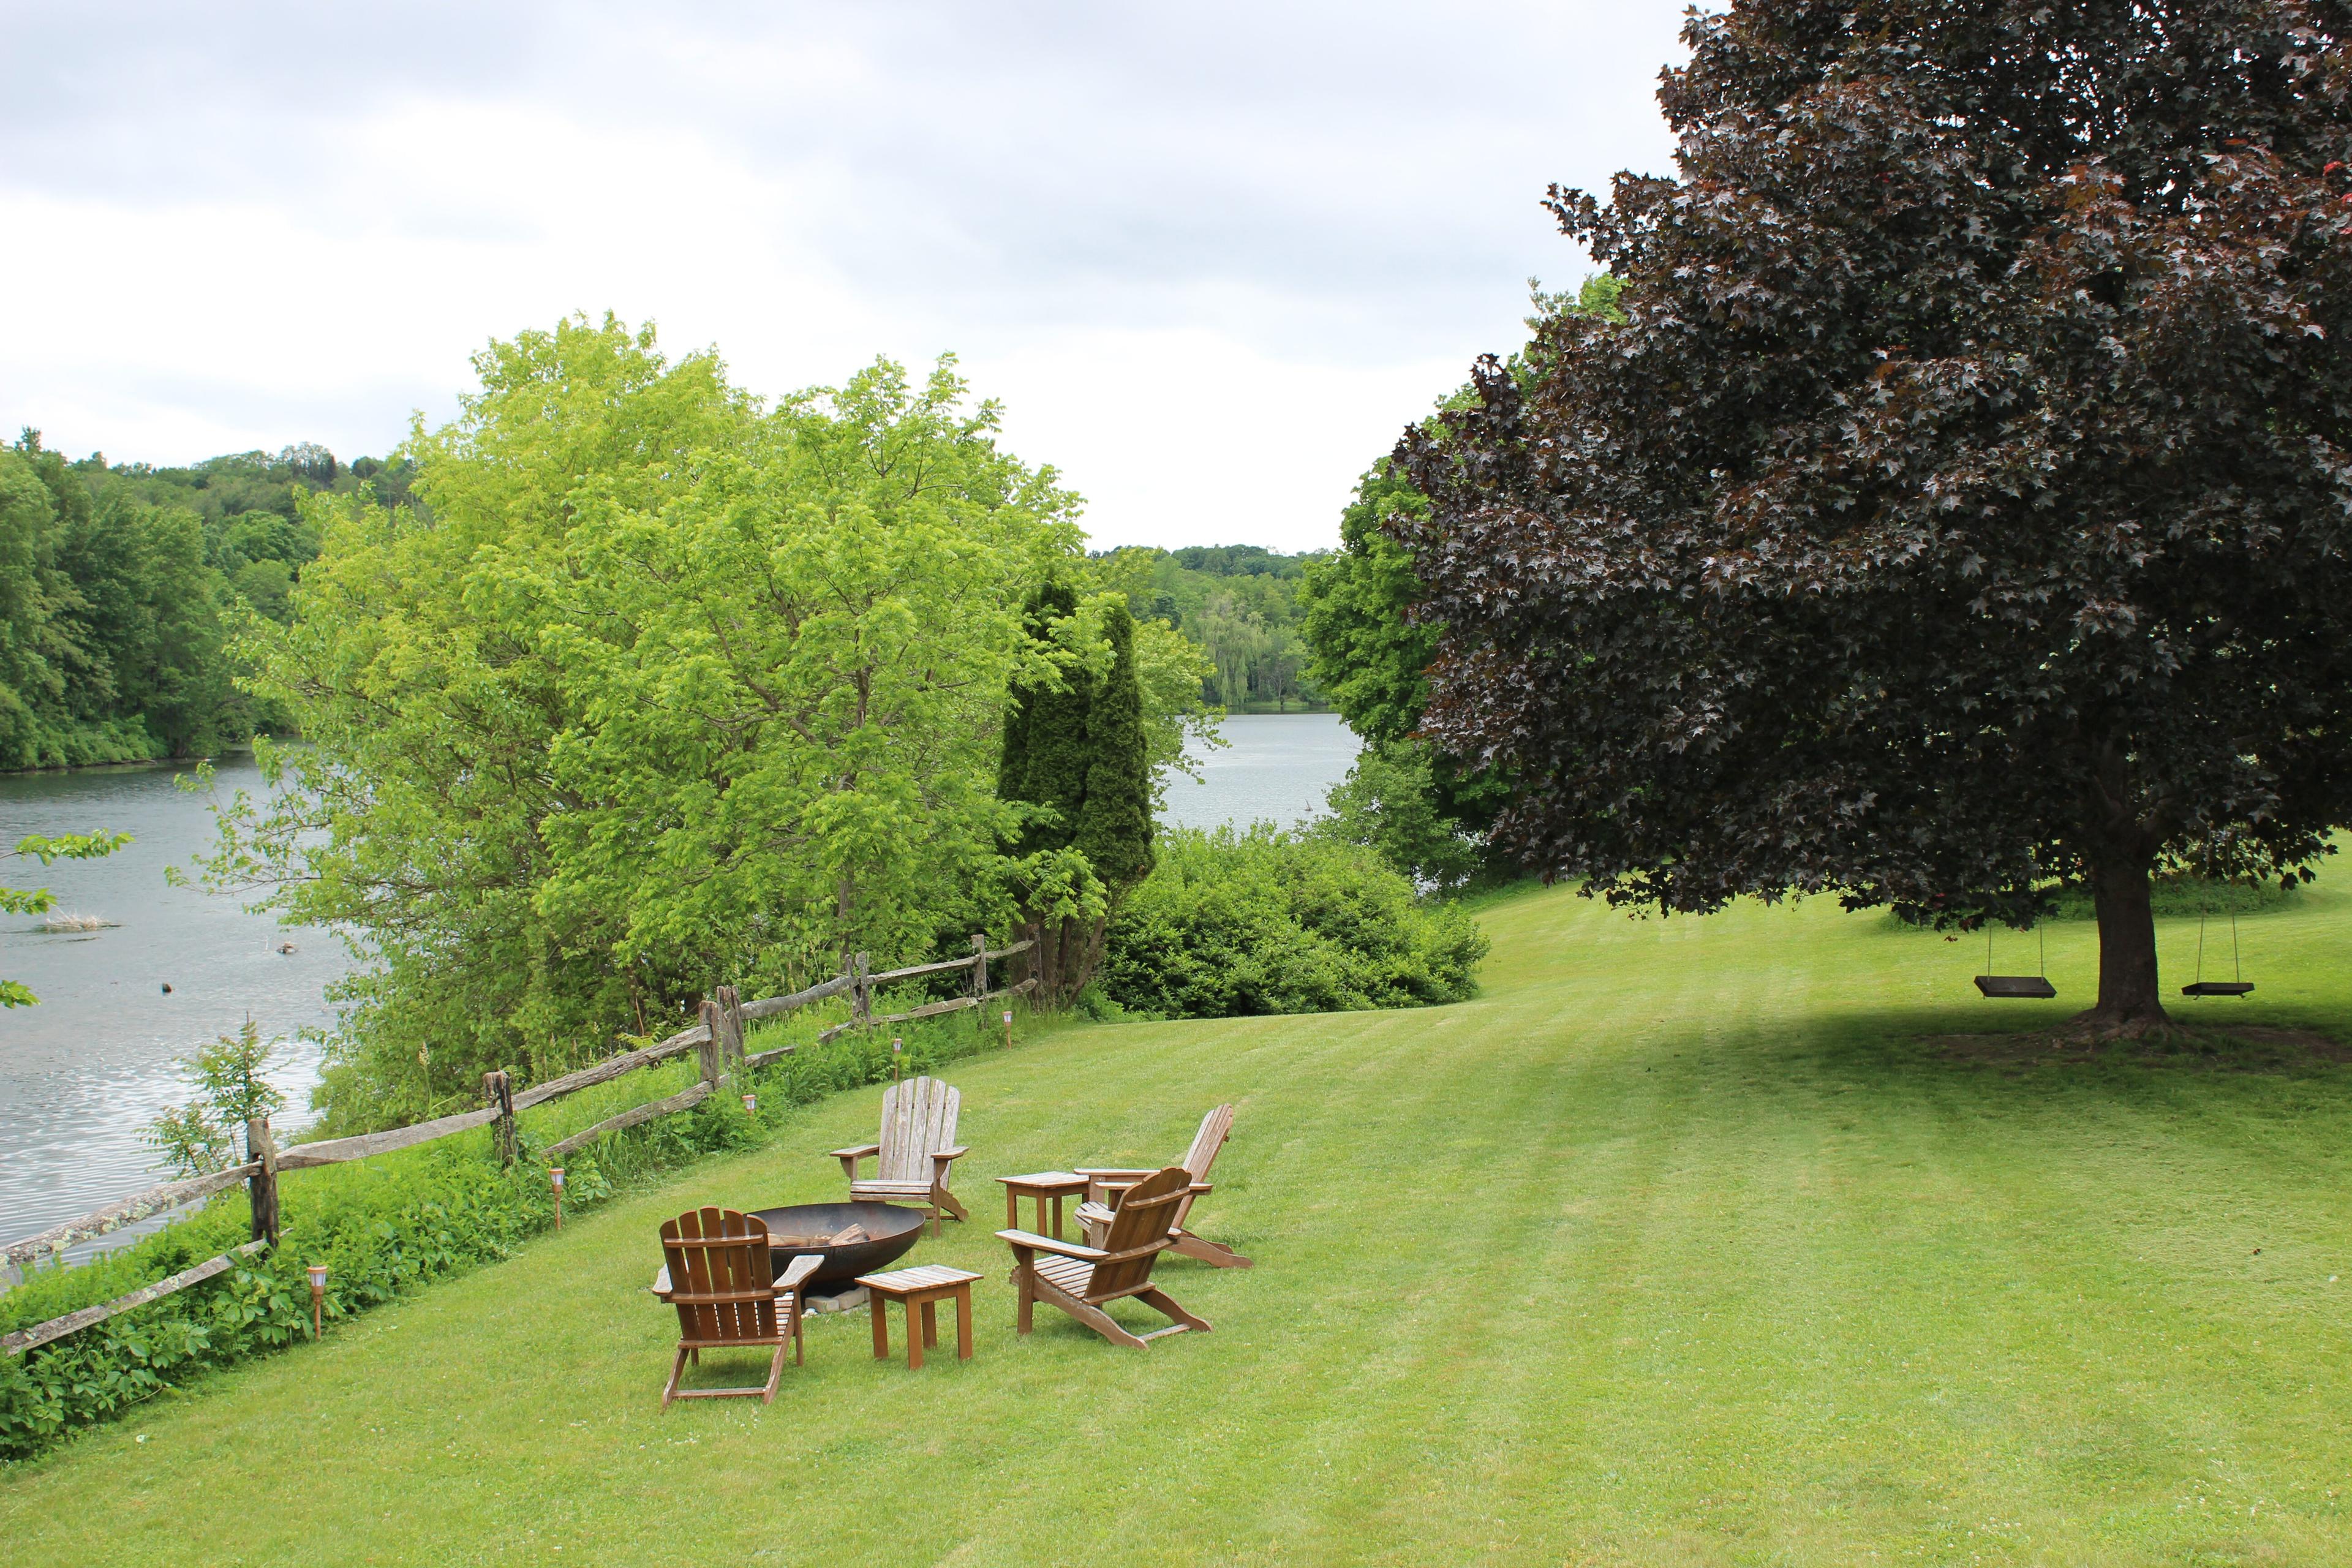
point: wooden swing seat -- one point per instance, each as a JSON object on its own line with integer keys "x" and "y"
{"x": 2217, "y": 988}
{"x": 1998, "y": 986}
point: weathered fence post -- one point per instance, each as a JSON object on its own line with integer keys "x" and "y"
{"x": 861, "y": 1006}
{"x": 261, "y": 1187}
{"x": 731, "y": 1012}
{"x": 711, "y": 1049}
{"x": 978, "y": 977}
{"x": 498, "y": 1089}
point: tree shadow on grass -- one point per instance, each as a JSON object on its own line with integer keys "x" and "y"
{"x": 1925, "y": 1041}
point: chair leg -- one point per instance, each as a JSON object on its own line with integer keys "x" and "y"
{"x": 775, "y": 1372}
{"x": 1164, "y": 1303}
{"x": 1027, "y": 1281}
{"x": 944, "y": 1199}
{"x": 1101, "y": 1323}
{"x": 677, "y": 1370}
{"x": 1214, "y": 1253}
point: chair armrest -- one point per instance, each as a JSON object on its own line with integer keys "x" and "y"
{"x": 800, "y": 1269}
{"x": 1199, "y": 1187}
{"x": 958, "y": 1153}
{"x": 1108, "y": 1186}
{"x": 861, "y": 1151}
{"x": 1029, "y": 1240}
{"x": 660, "y": 1286}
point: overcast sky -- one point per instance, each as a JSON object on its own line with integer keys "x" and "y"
{"x": 1211, "y": 257}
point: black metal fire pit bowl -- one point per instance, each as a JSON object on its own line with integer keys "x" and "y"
{"x": 894, "y": 1230}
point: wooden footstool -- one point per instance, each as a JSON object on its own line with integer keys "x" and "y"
{"x": 920, "y": 1288}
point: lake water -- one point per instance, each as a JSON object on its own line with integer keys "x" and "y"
{"x": 84, "y": 1072}
{"x": 1277, "y": 769}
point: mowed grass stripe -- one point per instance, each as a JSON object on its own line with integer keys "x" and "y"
{"x": 1676, "y": 1245}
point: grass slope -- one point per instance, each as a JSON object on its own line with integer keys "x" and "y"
{"x": 1680, "y": 1245}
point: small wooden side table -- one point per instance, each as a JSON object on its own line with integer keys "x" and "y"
{"x": 920, "y": 1288}
{"x": 1040, "y": 1185}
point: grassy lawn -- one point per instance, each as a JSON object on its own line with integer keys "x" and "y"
{"x": 1687, "y": 1242}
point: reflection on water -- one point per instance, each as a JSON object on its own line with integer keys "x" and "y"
{"x": 84, "y": 1072}
{"x": 81, "y": 1073}
{"x": 1278, "y": 769}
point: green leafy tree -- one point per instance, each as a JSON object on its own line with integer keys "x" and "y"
{"x": 1388, "y": 804}
{"x": 1965, "y": 503}
{"x": 231, "y": 1080}
{"x": 1369, "y": 641}
{"x": 1365, "y": 648}
{"x": 659, "y": 689}
{"x": 34, "y": 900}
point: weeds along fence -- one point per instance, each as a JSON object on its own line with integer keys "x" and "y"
{"x": 717, "y": 1040}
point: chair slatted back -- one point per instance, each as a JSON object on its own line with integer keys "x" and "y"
{"x": 918, "y": 1120}
{"x": 1142, "y": 1218}
{"x": 1208, "y": 1141}
{"x": 720, "y": 1276}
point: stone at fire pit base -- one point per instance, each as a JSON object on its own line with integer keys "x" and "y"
{"x": 840, "y": 1301}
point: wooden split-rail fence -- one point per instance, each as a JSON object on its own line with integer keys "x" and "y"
{"x": 718, "y": 1041}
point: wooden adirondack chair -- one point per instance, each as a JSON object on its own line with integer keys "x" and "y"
{"x": 918, "y": 1145}
{"x": 1082, "y": 1280}
{"x": 716, "y": 1276}
{"x": 1104, "y": 1185}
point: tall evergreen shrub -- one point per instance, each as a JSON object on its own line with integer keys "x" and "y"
{"x": 1079, "y": 751}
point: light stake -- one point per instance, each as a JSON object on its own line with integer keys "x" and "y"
{"x": 1008, "y": 1028}
{"x": 318, "y": 1273}
{"x": 555, "y": 1182}
{"x": 895, "y": 1046}
{"x": 751, "y": 1103}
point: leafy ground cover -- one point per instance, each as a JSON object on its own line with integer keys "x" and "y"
{"x": 1684, "y": 1242}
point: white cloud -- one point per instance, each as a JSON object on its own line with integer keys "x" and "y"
{"x": 1212, "y": 259}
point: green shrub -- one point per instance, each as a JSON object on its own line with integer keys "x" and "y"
{"x": 1389, "y": 804}
{"x": 2180, "y": 898}
{"x": 1267, "y": 921}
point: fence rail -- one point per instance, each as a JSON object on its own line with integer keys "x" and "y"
{"x": 721, "y": 1047}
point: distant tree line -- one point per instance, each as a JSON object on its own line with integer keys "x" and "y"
{"x": 120, "y": 585}
{"x": 1239, "y": 603}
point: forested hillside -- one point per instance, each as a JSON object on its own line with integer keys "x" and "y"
{"x": 120, "y": 584}
{"x": 1239, "y": 603}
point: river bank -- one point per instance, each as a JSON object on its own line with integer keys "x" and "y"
{"x": 81, "y": 1073}
{"x": 84, "y": 1072}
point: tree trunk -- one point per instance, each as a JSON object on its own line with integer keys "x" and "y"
{"x": 1066, "y": 957}
{"x": 2129, "y": 1002}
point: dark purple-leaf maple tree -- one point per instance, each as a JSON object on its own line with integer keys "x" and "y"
{"x": 1964, "y": 502}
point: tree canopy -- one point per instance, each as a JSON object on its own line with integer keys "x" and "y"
{"x": 120, "y": 585}
{"x": 1964, "y": 502}
{"x": 661, "y": 687}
